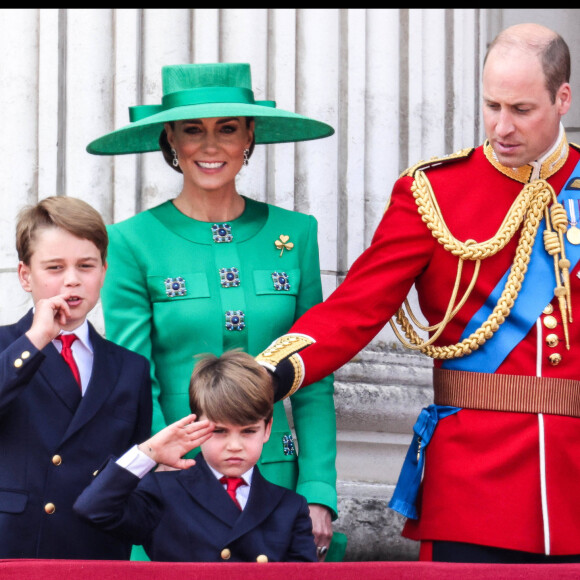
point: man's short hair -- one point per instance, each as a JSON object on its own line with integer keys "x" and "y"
{"x": 554, "y": 55}
{"x": 232, "y": 388}
{"x": 556, "y": 65}
{"x": 67, "y": 213}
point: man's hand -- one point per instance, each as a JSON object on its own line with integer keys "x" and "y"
{"x": 172, "y": 443}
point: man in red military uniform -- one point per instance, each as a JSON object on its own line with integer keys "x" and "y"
{"x": 491, "y": 240}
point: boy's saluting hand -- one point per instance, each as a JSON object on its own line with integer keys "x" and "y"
{"x": 170, "y": 445}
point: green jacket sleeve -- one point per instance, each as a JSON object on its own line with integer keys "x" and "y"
{"x": 313, "y": 409}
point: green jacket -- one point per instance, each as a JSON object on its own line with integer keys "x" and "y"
{"x": 163, "y": 298}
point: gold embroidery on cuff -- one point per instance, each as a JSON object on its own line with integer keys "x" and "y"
{"x": 284, "y": 347}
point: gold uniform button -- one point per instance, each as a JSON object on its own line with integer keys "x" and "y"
{"x": 555, "y": 359}
{"x": 56, "y": 459}
{"x": 25, "y": 355}
{"x": 549, "y": 309}
{"x": 550, "y": 322}
{"x": 226, "y": 554}
{"x": 262, "y": 559}
{"x": 552, "y": 340}
{"x": 49, "y": 508}
{"x": 18, "y": 363}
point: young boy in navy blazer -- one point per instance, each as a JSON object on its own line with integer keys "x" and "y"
{"x": 63, "y": 407}
{"x": 188, "y": 514}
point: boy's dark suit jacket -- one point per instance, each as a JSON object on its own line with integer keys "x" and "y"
{"x": 187, "y": 516}
{"x": 52, "y": 440}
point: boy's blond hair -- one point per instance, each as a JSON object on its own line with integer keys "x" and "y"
{"x": 232, "y": 388}
{"x": 67, "y": 213}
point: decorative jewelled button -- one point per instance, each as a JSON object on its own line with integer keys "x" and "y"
{"x": 226, "y": 554}
{"x": 262, "y": 559}
{"x": 288, "y": 443}
{"x": 175, "y": 287}
{"x": 56, "y": 459}
{"x": 555, "y": 359}
{"x": 549, "y": 309}
{"x": 281, "y": 281}
{"x": 229, "y": 277}
{"x": 235, "y": 320}
{"x": 222, "y": 233}
{"x": 552, "y": 340}
{"x": 550, "y": 322}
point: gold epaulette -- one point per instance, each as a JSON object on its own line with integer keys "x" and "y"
{"x": 286, "y": 348}
{"x": 434, "y": 161}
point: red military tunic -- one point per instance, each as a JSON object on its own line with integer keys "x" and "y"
{"x": 494, "y": 478}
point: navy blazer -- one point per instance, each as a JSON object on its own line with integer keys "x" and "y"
{"x": 187, "y": 516}
{"x": 52, "y": 440}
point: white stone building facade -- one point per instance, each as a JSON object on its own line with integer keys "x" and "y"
{"x": 398, "y": 85}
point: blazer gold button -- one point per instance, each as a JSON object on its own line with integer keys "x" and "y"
{"x": 262, "y": 559}
{"x": 49, "y": 508}
{"x": 552, "y": 340}
{"x": 549, "y": 309}
{"x": 25, "y": 355}
{"x": 226, "y": 554}
{"x": 550, "y": 322}
{"x": 57, "y": 459}
{"x": 555, "y": 359}
{"x": 18, "y": 363}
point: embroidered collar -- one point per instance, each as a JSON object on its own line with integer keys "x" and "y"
{"x": 545, "y": 167}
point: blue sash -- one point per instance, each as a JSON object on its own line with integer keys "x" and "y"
{"x": 405, "y": 494}
{"x": 534, "y": 295}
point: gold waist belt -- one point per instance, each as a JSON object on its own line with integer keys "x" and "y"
{"x": 515, "y": 393}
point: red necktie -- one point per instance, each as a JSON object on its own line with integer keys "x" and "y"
{"x": 67, "y": 354}
{"x": 233, "y": 483}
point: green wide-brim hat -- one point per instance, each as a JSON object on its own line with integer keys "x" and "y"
{"x": 201, "y": 91}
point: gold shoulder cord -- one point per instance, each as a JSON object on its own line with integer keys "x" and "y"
{"x": 530, "y": 206}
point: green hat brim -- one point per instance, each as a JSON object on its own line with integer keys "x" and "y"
{"x": 271, "y": 126}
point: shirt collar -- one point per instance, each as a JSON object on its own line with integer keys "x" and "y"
{"x": 247, "y": 477}
{"x": 543, "y": 168}
{"x": 82, "y": 333}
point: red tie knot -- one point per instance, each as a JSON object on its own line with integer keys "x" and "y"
{"x": 232, "y": 484}
{"x": 66, "y": 339}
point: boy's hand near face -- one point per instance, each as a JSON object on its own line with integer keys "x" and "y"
{"x": 170, "y": 445}
{"x": 50, "y": 316}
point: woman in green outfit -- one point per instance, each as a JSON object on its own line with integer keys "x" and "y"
{"x": 212, "y": 270}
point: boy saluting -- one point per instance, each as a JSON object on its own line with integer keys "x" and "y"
{"x": 218, "y": 507}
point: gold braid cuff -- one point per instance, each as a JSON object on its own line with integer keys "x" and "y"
{"x": 286, "y": 348}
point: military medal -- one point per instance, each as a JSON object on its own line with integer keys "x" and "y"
{"x": 573, "y": 233}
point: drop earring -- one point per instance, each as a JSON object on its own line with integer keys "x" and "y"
{"x": 246, "y": 156}
{"x": 175, "y": 161}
